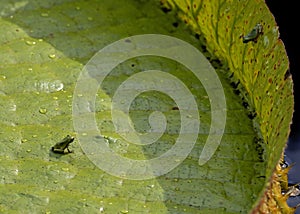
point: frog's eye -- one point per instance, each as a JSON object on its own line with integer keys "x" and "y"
{"x": 253, "y": 34}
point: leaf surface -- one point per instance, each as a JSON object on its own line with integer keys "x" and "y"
{"x": 44, "y": 46}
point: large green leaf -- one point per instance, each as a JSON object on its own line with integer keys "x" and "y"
{"x": 261, "y": 67}
{"x": 44, "y": 46}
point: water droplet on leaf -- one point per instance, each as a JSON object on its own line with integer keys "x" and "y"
{"x": 43, "y": 110}
{"x": 44, "y": 14}
{"x": 51, "y": 56}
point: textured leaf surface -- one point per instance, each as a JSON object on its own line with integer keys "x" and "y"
{"x": 44, "y": 46}
{"x": 261, "y": 67}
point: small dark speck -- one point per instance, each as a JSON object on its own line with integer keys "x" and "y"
{"x": 165, "y": 9}
{"x": 237, "y": 91}
{"x": 252, "y": 115}
{"x": 128, "y": 40}
{"x": 245, "y": 104}
{"x": 175, "y": 24}
{"x": 175, "y": 108}
{"x": 235, "y": 84}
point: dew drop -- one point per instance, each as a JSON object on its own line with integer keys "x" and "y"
{"x": 44, "y": 14}
{"x": 43, "y": 110}
{"x": 275, "y": 30}
{"x": 51, "y": 56}
{"x": 30, "y": 42}
{"x": 266, "y": 41}
{"x": 16, "y": 171}
{"x": 12, "y": 107}
{"x": 119, "y": 182}
{"x": 49, "y": 86}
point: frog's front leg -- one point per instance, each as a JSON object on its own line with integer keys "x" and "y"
{"x": 69, "y": 151}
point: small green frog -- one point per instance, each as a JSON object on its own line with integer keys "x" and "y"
{"x": 62, "y": 145}
{"x": 253, "y": 34}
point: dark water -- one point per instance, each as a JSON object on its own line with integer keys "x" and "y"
{"x": 292, "y": 155}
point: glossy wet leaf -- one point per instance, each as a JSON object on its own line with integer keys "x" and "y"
{"x": 44, "y": 46}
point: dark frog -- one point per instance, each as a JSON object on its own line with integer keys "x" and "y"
{"x": 62, "y": 145}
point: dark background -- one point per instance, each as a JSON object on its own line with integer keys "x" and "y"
{"x": 287, "y": 18}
